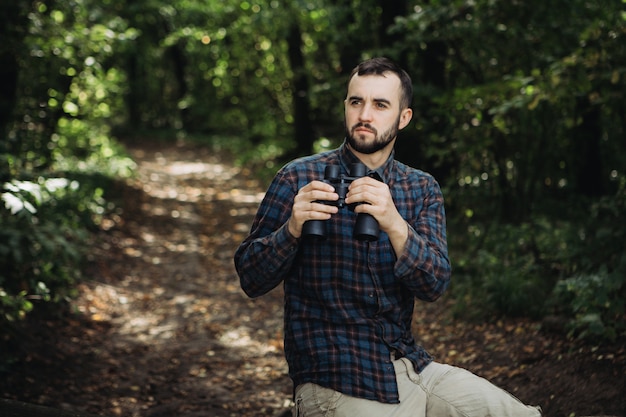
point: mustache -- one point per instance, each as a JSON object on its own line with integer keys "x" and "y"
{"x": 365, "y": 125}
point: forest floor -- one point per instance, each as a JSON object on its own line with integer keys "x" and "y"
{"x": 162, "y": 328}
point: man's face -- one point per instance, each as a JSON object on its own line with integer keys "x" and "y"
{"x": 372, "y": 112}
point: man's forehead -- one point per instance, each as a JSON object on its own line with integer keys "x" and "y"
{"x": 386, "y": 85}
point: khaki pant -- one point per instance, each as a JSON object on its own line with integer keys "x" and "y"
{"x": 438, "y": 391}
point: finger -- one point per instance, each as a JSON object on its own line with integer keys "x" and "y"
{"x": 365, "y": 194}
{"x": 315, "y": 188}
{"x": 312, "y": 210}
{"x": 366, "y": 181}
{"x": 319, "y": 185}
{"x": 320, "y": 211}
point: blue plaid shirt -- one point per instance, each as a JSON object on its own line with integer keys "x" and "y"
{"x": 348, "y": 303}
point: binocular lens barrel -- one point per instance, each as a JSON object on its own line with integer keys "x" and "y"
{"x": 314, "y": 229}
{"x": 366, "y": 227}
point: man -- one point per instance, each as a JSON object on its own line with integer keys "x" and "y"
{"x": 349, "y": 302}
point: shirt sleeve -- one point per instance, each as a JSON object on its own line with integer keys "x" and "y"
{"x": 424, "y": 266}
{"x": 265, "y": 257}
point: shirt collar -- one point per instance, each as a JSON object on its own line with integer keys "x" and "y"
{"x": 347, "y": 158}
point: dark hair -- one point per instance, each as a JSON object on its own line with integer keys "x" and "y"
{"x": 380, "y": 65}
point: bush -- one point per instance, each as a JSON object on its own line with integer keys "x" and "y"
{"x": 40, "y": 244}
{"x": 596, "y": 303}
{"x": 45, "y": 226}
{"x": 574, "y": 268}
{"x": 502, "y": 272}
{"x": 593, "y": 296}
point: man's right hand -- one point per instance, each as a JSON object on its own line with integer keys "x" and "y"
{"x": 306, "y": 208}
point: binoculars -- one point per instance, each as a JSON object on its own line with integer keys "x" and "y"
{"x": 366, "y": 227}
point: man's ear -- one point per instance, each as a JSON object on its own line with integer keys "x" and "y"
{"x": 405, "y": 117}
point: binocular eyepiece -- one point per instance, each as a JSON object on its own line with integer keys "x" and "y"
{"x": 366, "y": 227}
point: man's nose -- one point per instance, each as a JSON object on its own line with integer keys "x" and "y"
{"x": 366, "y": 113}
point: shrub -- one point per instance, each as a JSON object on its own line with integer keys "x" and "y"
{"x": 596, "y": 303}
{"x": 45, "y": 224}
{"x": 40, "y": 244}
{"x": 575, "y": 268}
{"x": 594, "y": 294}
{"x": 502, "y": 272}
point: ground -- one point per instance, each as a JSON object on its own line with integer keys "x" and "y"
{"x": 160, "y": 326}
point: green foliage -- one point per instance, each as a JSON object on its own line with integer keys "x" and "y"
{"x": 503, "y": 270}
{"x": 58, "y": 158}
{"x": 45, "y": 224}
{"x": 40, "y": 243}
{"x": 596, "y": 302}
{"x": 574, "y": 266}
{"x": 79, "y": 146}
{"x": 594, "y": 292}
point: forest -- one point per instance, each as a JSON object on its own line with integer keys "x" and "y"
{"x": 519, "y": 112}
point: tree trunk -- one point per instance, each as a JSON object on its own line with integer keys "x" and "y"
{"x": 589, "y": 179}
{"x": 13, "y": 28}
{"x": 176, "y": 53}
{"x": 303, "y": 128}
{"x": 389, "y": 11}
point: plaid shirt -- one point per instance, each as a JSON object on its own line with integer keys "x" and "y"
{"x": 348, "y": 303}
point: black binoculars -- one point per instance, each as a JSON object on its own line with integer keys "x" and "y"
{"x": 366, "y": 227}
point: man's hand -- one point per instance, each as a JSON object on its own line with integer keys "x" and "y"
{"x": 380, "y": 205}
{"x": 305, "y": 207}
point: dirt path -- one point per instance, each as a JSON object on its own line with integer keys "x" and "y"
{"x": 174, "y": 303}
{"x": 164, "y": 330}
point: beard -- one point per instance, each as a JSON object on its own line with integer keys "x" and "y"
{"x": 358, "y": 143}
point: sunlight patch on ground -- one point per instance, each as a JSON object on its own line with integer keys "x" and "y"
{"x": 156, "y": 183}
{"x": 181, "y": 168}
{"x": 241, "y": 196}
{"x": 240, "y": 337}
